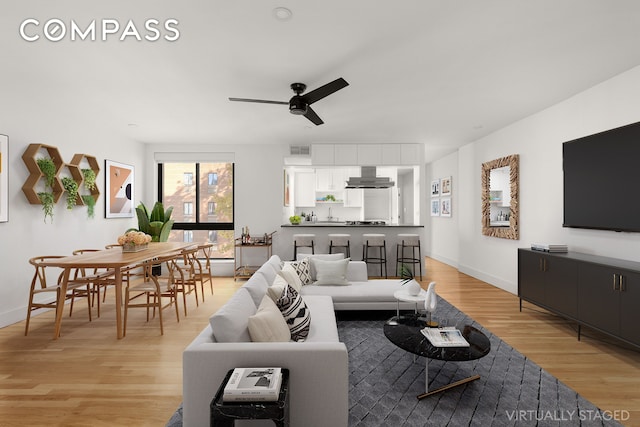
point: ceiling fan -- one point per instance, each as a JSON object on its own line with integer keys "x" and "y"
{"x": 299, "y": 104}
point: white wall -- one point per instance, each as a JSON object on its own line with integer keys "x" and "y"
{"x": 26, "y": 235}
{"x": 538, "y": 140}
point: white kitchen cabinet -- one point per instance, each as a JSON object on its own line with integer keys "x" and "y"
{"x": 322, "y": 154}
{"x": 346, "y": 154}
{"x": 391, "y": 154}
{"x": 353, "y": 197}
{"x": 369, "y": 154}
{"x": 330, "y": 179}
{"x": 304, "y": 189}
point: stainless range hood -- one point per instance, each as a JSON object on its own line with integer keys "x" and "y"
{"x": 368, "y": 179}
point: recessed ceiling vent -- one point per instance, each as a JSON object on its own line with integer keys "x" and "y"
{"x": 299, "y": 150}
{"x": 368, "y": 179}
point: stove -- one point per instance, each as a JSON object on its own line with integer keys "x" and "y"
{"x": 366, "y": 223}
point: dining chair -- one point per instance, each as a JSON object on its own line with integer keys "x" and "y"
{"x": 205, "y": 274}
{"x": 152, "y": 289}
{"x": 186, "y": 280}
{"x": 44, "y": 283}
{"x": 98, "y": 278}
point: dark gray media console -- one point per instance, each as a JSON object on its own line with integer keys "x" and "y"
{"x": 599, "y": 292}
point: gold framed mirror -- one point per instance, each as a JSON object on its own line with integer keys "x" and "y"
{"x": 500, "y": 198}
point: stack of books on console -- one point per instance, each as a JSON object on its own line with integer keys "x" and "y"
{"x": 546, "y": 247}
{"x": 253, "y": 385}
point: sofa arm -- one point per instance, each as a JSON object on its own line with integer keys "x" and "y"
{"x": 357, "y": 271}
{"x": 318, "y": 382}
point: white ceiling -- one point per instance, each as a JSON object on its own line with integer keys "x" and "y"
{"x": 443, "y": 73}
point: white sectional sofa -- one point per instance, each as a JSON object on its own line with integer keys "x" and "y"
{"x": 318, "y": 366}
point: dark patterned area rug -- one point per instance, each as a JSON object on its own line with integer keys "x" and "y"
{"x": 384, "y": 381}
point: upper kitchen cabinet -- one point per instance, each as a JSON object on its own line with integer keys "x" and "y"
{"x": 369, "y": 154}
{"x": 330, "y": 179}
{"x": 346, "y": 154}
{"x": 304, "y": 189}
{"x": 391, "y": 154}
{"x": 322, "y": 154}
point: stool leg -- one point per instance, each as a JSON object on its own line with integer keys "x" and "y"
{"x": 420, "y": 261}
{"x": 313, "y": 247}
{"x": 348, "y": 250}
{"x": 295, "y": 251}
{"x": 398, "y": 259}
{"x": 384, "y": 256}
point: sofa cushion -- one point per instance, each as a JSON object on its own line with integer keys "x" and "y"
{"x": 257, "y": 286}
{"x": 275, "y": 262}
{"x": 268, "y": 272}
{"x": 324, "y": 257}
{"x": 371, "y": 291}
{"x": 268, "y": 325}
{"x": 303, "y": 268}
{"x": 231, "y": 322}
{"x": 295, "y": 313}
{"x": 331, "y": 272}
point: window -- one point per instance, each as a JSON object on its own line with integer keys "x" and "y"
{"x": 203, "y": 201}
{"x": 187, "y": 208}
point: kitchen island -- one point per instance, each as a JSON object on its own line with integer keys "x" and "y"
{"x": 284, "y": 244}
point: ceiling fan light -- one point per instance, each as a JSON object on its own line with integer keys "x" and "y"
{"x": 297, "y": 106}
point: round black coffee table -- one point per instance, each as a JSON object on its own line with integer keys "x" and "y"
{"x": 404, "y": 331}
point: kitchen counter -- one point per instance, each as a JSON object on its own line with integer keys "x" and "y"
{"x": 345, "y": 225}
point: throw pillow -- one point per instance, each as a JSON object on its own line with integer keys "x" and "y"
{"x": 295, "y": 313}
{"x": 331, "y": 272}
{"x": 275, "y": 290}
{"x": 303, "y": 269}
{"x": 291, "y": 277}
{"x": 268, "y": 325}
{"x": 324, "y": 257}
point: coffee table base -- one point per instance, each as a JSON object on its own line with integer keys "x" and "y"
{"x": 448, "y": 386}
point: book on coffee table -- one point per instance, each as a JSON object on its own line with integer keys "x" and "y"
{"x": 445, "y": 337}
{"x": 253, "y": 384}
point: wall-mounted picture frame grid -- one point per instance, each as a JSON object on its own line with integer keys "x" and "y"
{"x": 441, "y": 206}
{"x": 119, "y": 185}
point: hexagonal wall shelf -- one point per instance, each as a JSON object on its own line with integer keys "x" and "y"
{"x": 29, "y": 157}
{"x": 79, "y": 160}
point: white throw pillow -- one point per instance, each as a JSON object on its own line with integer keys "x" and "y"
{"x": 268, "y": 325}
{"x": 303, "y": 269}
{"x": 291, "y": 277}
{"x": 324, "y": 257}
{"x": 331, "y": 272}
{"x": 295, "y": 313}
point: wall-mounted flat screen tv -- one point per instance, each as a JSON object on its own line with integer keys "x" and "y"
{"x": 602, "y": 180}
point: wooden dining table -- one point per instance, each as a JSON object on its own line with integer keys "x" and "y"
{"x": 112, "y": 259}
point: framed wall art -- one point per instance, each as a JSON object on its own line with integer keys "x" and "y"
{"x": 119, "y": 179}
{"x": 445, "y": 186}
{"x": 435, "y": 188}
{"x": 445, "y": 206}
{"x": 435, "y": 207}
{"x": 4, "y": 178}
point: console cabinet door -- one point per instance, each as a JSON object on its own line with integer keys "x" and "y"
{"x": 531, "y": 277}
{"x": 598, "y": 299}
{"x": 630, "y": 307}
{"x": 561, "y": 287}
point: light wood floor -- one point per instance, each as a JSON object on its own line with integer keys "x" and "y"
{"x": 89, "y": 378}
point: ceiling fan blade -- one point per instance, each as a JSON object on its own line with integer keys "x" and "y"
{"x": 313, "y": 117}
{"x": 260, "y": 101}
{"x": 326, "y": 90}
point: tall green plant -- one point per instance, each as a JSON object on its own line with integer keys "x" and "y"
{"x": 157, "y": 223}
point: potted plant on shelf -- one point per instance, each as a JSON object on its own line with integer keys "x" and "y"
{"x": 46, "y": 198}
{"x": 71, "y": 187}
{"x": 90, "y": 202}
{"x": 89, "y": 179}
{"x": 406, "y": 278}
{"x": 48, "y": 169}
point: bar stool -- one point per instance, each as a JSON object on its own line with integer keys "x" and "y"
{"x": 303, "y": 241}
{"x": 375, "y": 241}
{"x": 408, "y": 241}
{"x": 340, "y": 241}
